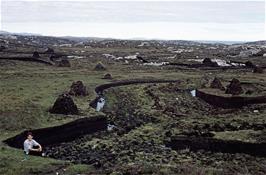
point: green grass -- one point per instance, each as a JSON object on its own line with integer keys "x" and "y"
{"x": 12, "y": 162}
{"x": 243, "y": 135}
{"x": 28, "y": 90}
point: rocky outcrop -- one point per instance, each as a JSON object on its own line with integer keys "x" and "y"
{"x": 64, "y": 104}
{"x": 78, "y": 89}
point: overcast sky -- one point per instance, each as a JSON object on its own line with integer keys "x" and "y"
{"x": 192, "y": 20}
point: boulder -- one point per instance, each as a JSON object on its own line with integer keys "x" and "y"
{"x": 107, "y": 76}
{"x": 209, "y": 62}
{"x": 99, "y": 66}
{"x": 64, "y": 104}
{"x": 217, "y": 84}
{"x": 234, "y": 87}
{"x": 36, "y": 54}
{"x": 78, "y": 89}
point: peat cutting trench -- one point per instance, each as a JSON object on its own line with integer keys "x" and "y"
{"x": 217, "y": 145}
{"x": 84, "y": 126}
{"x": 31, "y": 59}
{"x": 229, "y": 102}
{"x": 62, "y": 133}
{"x": 75, "y": 129}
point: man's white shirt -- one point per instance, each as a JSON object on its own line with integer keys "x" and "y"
{"x": 28, "y": 144}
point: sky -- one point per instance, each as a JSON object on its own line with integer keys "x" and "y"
{"x": 238, "y": 20}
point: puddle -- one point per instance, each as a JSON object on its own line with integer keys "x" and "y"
{"x": 110, "y": 127}
{"x": 75, "y": 57}
{"x": 220, "y": 62}
{"x": 193, "y": 93}
{"x": 100, "y": 104}
{"x": 156, "y": 64}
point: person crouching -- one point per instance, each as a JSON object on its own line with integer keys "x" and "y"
{"x": 31, "y": 147}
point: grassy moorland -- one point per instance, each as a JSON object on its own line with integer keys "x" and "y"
{"x": 146, "y": 117}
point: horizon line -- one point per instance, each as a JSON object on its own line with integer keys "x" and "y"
{"x": 131, "y": 38}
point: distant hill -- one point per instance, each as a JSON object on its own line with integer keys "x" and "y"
{"x": 262, "y": 42}
{"x": 176, "y": 42}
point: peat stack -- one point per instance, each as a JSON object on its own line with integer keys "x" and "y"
{"x": 55, "y": 56}
{"x": 64, "y": 104}
{"x": 36, "y": 54}
{"x": 142, "y": 59}
{"x": 107, "y": 76}
{"x": 234, "y": 87}
{"x": 217, "y": 84}
{"x": 63, "y": 63}
{"x": 49, "y": 51}
{"x": 249, "y": 64}
{"x": 209, "y": 62}
{"x": 99, "y": 67}
{"x": 258, "y": 70}
{"x": 78, "y": 89}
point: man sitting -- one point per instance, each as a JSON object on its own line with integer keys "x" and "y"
{"x": 31, "y": 147}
